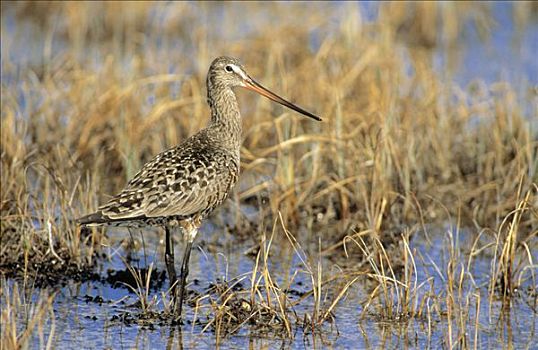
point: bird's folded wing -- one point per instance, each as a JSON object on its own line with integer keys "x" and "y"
{"x": 178, "y": 190}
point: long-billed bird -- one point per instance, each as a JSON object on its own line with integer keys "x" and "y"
{"x": 184, "y": 184}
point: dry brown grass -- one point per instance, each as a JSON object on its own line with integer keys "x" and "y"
{"x": 25, "y": 318}
{"x": 397, "y": 151}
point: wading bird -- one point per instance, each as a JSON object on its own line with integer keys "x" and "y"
{"x": 184, "y": 184}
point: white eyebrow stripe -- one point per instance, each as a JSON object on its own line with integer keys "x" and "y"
{"x": 239, "y": 71}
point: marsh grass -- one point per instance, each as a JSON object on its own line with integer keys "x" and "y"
{"x": 268, "y": 306}
{"x": 148, "y": 309}
{"x": 265, "y": 304}
{"x": 508, "y": 265}
{"x": 27, "y": 317}
{"x": 455, "y": 301}
{"x": 402, "y": 148}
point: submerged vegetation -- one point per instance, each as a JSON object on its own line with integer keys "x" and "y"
{"x": 91, "y": 91}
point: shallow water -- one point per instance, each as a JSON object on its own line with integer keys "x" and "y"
{"x": 87, "y": 313}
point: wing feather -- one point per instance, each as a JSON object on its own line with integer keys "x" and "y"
{"x": 182, "y": 181}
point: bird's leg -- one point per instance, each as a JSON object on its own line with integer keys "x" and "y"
{"x": 169, "y": 260}
{"x": 190, "y": 230}
{"x": 183, "y": 278}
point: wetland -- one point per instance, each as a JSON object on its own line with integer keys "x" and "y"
{"x": 408, "y": 218}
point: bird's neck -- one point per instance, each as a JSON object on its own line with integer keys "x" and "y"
{"x": 225, "y": 117}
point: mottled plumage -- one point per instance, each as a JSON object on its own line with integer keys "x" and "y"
{"x": 184, "y": 184}
{"x": 191, "y": 179}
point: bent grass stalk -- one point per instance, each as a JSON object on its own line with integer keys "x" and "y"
{"x": 24, "y": 318}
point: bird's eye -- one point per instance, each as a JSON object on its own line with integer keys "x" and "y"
{"x": 229, "y": 68}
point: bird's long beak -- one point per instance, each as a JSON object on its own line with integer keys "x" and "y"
{"x": 251, "y": 84}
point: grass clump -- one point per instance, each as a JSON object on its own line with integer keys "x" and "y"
{"x": 26, "y": 318}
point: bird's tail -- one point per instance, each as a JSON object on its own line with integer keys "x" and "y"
{"x": 93, "y": 219}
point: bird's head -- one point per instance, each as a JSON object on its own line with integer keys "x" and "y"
{"x": 228, "y": 72}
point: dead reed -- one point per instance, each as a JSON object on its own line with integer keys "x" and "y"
{"x": 27, "y": 317}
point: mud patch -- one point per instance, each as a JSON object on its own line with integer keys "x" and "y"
{"x": 49, "y": 273}
{"x": 126, "y": 279}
